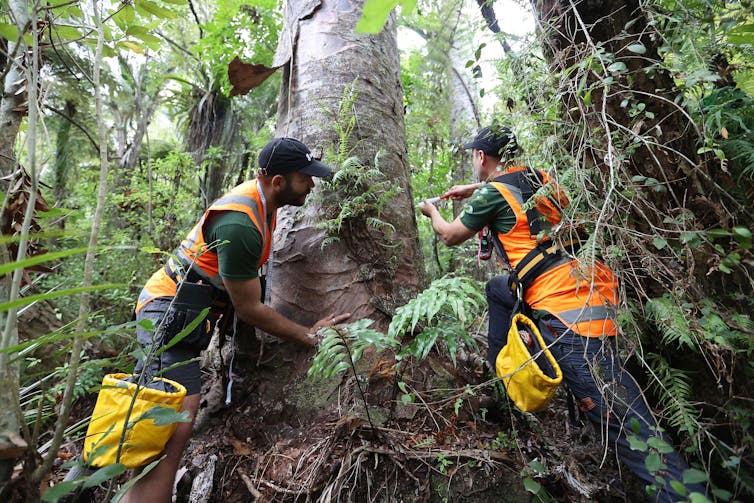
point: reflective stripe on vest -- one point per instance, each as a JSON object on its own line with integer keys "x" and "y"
{"x": 198, "y": 256}
{"x": 583, "y": 298}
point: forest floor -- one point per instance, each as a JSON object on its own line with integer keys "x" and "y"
{"x": 452, "y": 438}
{"x": 287, "y": 437}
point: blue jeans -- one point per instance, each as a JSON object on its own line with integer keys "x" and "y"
{"x": 604, "y": 390}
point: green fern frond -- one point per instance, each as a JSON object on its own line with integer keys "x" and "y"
{"x": 673, "y": 387}
{"x": 672, "y": 323}
{"x": 341, "y": 344}
{"x": 444, "y": 310}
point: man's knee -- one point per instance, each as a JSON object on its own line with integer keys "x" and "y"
{"x": 498, "y": 290}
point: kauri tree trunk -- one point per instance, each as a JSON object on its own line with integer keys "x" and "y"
{"x": 370, "y": 270}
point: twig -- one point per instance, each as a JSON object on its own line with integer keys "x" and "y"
{"x": 250, "y": 485}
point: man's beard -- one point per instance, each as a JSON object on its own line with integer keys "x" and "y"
{"x": 289, "y": 197}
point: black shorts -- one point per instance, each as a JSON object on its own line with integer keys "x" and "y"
{"x": 179, "y": 363}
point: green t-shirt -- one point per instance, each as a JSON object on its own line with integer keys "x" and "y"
{"x": 487, "y": 206}
{"x": 241, "y": 250}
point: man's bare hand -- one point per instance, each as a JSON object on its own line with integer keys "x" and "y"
{"x": 328, "y": 321}
{"x": 458, "y": 192}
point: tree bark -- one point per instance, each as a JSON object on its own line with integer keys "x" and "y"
{"x": 13, "y": 104}
{"x": 12, "y": 110}
{"x": 368, "y": 272}
{"x": 211, "y": 125}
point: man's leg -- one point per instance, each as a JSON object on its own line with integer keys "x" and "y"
{"x": 157, "y": 485}
{"x": 611, "y": 398}
{"x": 501, "y": 303}
{"x": 180, "y": 364}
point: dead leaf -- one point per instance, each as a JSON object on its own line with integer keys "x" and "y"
{"x": 240, "y": 448}
{"x": 246, "y": 76}
{"x": 724, "y": 132}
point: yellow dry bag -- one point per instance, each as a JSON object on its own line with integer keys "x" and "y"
{"x": 143, "y": 440}
{"x": 529, "y": 371}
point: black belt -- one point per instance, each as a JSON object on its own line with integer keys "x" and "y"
{"x": 220, "y": 299}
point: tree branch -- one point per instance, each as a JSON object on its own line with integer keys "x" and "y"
{"x": 72, "y": 121}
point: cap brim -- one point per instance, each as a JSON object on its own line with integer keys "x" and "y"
{"x": 317, "y": 169}
{"x": 471, "y": 144}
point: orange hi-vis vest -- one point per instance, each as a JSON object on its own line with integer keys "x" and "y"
{"x": 582, "y": 297}
{"x": 196, "y": 256}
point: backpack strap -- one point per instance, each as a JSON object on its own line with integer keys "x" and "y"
{"x": 528, "y": 181}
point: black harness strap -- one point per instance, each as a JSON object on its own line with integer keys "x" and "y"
{"x": 528, "y": 181}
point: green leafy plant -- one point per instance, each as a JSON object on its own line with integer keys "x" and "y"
{"x": 342, "y": 347}
{"x": 444, "y": 462}
{"x": 442, "y": 312}
{"x": 357, "y": 194}
{"x": 533, "y": 469}
{"x": 672, "y": 322}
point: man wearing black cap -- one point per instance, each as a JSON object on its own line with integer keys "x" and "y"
{"x": 218, "y": 263}
{"x": 573, "y": 303}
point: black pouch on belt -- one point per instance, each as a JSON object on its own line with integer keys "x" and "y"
{"x": 187, "y": 309}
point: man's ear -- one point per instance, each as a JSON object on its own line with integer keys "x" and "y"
{"x": 278, "y": 182}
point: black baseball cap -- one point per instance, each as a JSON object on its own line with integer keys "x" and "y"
{"x": 286, "y": 155}
{"x": 497, "y": 141}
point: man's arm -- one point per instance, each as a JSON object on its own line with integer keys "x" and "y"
{"x": 245, "y": 295}
{"x": 451, "y": 233}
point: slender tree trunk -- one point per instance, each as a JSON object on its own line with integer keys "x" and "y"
{"x": 369, "y": 271}
{"x": 212, "y": 126}
{"x": 63, "y": 158}
{"x": 12, "y": 110}
{"x": 13, "y": 104}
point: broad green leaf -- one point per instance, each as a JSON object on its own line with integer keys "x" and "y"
{"x": 699, "y": 498}
{"x": 717, "y": 233}
{"x": 8, "y": 32}
{"x": 127, "y": 14}
{"x": 637, "y": 48}
{"x": 131, "y": 46}
{"x": 659, "y": 242}
{"x": 688, "y": 236}
{"x": 532, "y": 485}
{"x": 694, "y": 476}
{"x": 636, "y": 444}
{"x": 163, "y": 416}
{"x": 742, "y": 233}
{"x": 654, "y": 463}
{"x": 722, "y": 494}
{"x": 659, "y": 445}
{"x": 537, "y": 466}
{"x": 104, "y": 474}
{"x": 678, "y": 487}
{"x": 148, "y": 7}
{"x": 152, "y": 42}
{"x": 67, "y": 32}
{"x": 740, "y": 39}
{"x": 108, "y": 52}
{"x": 452, "y": 343}
{"x": 59, "y": 490}
{"x": 374, "y": 15}
{"x": 617, "y": 67}
{"x": 136, "y": 30}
